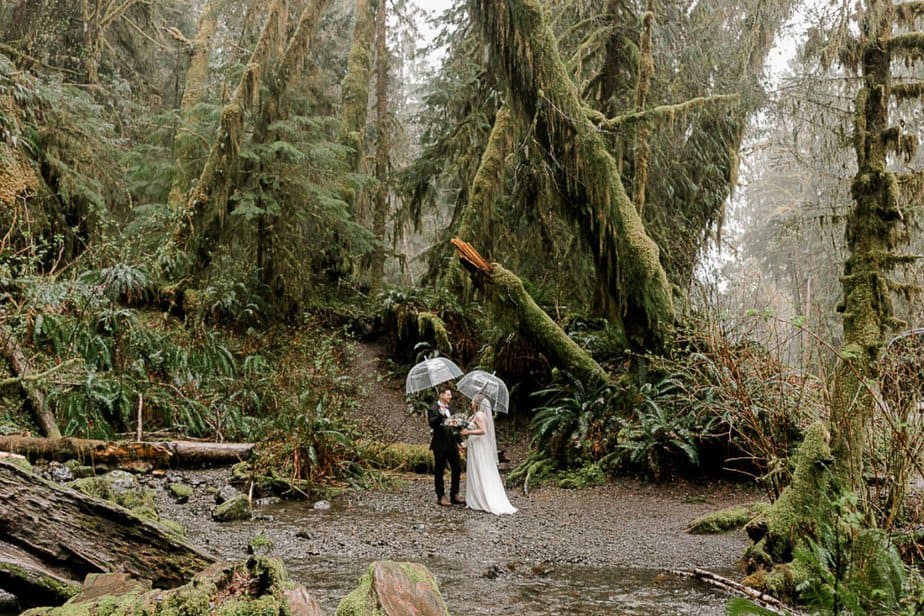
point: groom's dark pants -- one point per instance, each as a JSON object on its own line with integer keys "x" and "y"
{"x": 440, "y": 458}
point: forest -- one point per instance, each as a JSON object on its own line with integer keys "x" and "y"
{"x": 684, "y": 233}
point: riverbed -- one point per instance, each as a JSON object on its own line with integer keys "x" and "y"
{"x": 603, "y": 550}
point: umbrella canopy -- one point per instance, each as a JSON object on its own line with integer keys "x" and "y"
{"x": 430, "y": 373}
{"x": 481, "y": 382}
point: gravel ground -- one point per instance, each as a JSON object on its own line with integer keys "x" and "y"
{"x": 625, "y": 524}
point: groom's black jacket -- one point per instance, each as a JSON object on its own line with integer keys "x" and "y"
{"x": 442, "y": 439}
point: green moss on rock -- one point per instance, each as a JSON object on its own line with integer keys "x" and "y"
{"x": 725, "y": 520}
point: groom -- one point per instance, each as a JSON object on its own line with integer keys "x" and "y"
{"x": 445, "y": 449}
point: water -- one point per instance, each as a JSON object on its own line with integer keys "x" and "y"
{"x": 578, "y": 591}
{"x": 498, "y": 584}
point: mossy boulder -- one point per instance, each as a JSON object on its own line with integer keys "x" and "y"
{"x": 255, "y": 587}
{"x": 118, "y": 487}
{"x": 391, "y": 588}
{"x": 722, "y": 521}
{"x": 236, "y": 508}
{"x": 180, "y": 492}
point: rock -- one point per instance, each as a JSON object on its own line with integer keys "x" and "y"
{"x": 238, "y": 508}
{"x": 118, "y": 487}
{"x": 60, "y": 473}
{"x": 180, "y": 492}
{"x": 225, "y": 493}
{"x": 260, "y": 545}
{"x": 322, "y": 505}
{"x": 302, "y": 603}
{"x": 98, "y": 585}
{"x": 395, "y": 589}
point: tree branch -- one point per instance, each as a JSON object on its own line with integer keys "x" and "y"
{"x": 668, "y": 111}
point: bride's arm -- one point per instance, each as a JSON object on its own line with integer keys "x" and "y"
{"x": 480, "y": 428}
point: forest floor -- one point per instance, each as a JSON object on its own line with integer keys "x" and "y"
{"x": 626, "y": 525}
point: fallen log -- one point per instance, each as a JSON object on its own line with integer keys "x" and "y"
{"x": 33, "y": 582}
{"x": 128, "y": 455}
{"x": 768, "y": 602}
{"x": 21, "y": 366}
{"x": 73, "y": 535}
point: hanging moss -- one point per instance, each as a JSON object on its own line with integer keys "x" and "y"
{"x": 486, "y": 186}
{"x": 355, "y": 85}
{"x": 201, "y": 222}
{"x": 429, "y": 323}
{"x": 186, "y": 143}
{"x": 541, "y": 90}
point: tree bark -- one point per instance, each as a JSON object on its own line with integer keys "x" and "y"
{"x": 486, "y": 186}
{"x": 382, "y": 154}
{"x": 355, "y": 85}
{"x": 76, "y": 535}
{"x": 31, "y": 581}
{"x": 871, "y": 233}
{"x": 171, "y": 454}
{"x": 512, "y": 305}
{"x": 630, "y": 274}
{"x": 185, "y": 142}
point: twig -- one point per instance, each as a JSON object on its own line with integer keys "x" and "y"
{"x": 37, "y": 376}
{"x": 766, "y": 601}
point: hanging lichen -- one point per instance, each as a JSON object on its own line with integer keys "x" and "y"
{"x": 631, "y": 278}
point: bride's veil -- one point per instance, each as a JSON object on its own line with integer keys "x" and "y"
{"x": 485, "y": 407}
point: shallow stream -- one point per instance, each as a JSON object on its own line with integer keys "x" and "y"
{"x": 565, "y": 552}
{"x": 603, "y": 550}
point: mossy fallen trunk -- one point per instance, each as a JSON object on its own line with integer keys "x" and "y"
{"x": 512, "y": 306}
{"x": 75, "y": 535}
{"x": 128, "y": 455}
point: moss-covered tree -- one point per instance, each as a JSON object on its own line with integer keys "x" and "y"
{"x": 541, "y": 91}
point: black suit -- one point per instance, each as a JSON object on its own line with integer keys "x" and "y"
{"x": 445, "y": 449}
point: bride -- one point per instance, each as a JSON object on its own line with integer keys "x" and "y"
{"x": 484, "y": 489}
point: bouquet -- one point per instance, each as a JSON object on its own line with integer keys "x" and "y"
{"x": 455, "y": 424}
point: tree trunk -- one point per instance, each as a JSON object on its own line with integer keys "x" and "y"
{"x": 380, "y": 211}
{"x": 355, "y": 86}
{"x": 31, "y": 581}
{"x": 871, "y": 233}
{"x": 185, "y": 142}
{"x": 511, "y": 305}
{"x": 278, "y": 83}
{"x": 75, "y": 534}
{"x": 172, "y": 454}
{"x": 486, "y": 186}
{"x": 21, "y": 366}
{"x": 200, "y": 224}
{"x": 541, "y": 90}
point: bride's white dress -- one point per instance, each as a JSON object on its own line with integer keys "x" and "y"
{"x": 484, "y": 489}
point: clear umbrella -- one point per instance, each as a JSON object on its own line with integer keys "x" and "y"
{"x": 481, "y": 382}
{"x": 430, "y": 373}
